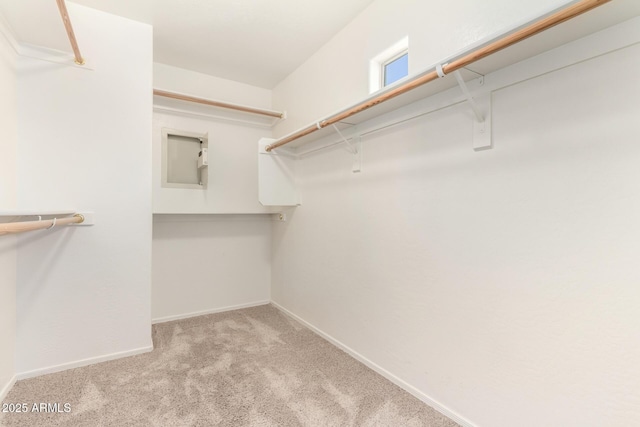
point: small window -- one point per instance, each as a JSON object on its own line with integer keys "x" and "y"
{"x": 389, "y": 66}
{"x": 395, "y": 68}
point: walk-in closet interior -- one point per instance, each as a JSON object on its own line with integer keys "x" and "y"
{"x": 320, "y": 213}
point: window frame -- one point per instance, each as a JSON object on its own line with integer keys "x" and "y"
{"x": 384, "y": 57}
{"x": 384, "y": 64}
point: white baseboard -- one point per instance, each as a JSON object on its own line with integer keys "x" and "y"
{"x": 388, "y": 375}
{"x": 113, "y": 356}
{"x": 83, "y": 362}
{"x": 7, "y": 387}
{"x": 212, "y": 311}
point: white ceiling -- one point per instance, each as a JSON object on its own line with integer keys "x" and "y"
{"x": 258, "y": 42}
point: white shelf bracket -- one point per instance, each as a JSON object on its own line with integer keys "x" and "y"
{"x": 482, "y": 139}
{"x": 481, "y": 108}
{"x": 356, "y": 149}
{"x": 357, "y": 156}
{"x": 89, "y": 218}
{"x": 350, "y": 147}
{"x": 465, "y": 90}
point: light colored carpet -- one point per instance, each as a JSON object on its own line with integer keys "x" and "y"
{"x": 249, "y": 367}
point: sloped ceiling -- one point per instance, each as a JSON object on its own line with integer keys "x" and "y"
{"x": 254, "y": 42}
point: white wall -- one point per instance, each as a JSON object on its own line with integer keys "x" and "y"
{"x": 208, "y": 263}
{"x": 233, "y": 167}
{"x": 233, "y": 163}
{"x": 338, "y": 74}
{"x": 501, "y": 285}
{"x": 7, "y": 201}
{"x": 85, "y": 142}
{"x": 190, "y": 82}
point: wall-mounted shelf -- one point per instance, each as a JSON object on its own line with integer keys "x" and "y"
{"x": 11, "y": 215}
{"x": 191, "y": 106}
{"x": 14, "y": 215}
{"x": 604, "y": 16}
{"x": 481, "y": 63}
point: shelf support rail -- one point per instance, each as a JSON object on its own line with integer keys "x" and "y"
{"x": 20, "y": 227}
{"x": 562, "y": 15}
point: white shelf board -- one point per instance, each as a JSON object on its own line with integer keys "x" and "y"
{"x": 194, "y": 214}
{"x": 414, "y": 95}
{"x": 12, "y": 215}
{"x": 605, "y": 16}
{"x": 36, "y": 212}
{"x": 191, "y": 109}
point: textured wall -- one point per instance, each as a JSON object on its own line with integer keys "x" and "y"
{"x": 206, "y": 263}
{"x": 501, "y": 284}
{"x": 7, "y": 201}
{"x": 84, "y": 294}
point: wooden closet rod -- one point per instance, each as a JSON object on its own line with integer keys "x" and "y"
{"x": 72, "y": 37}
{"x": 556, "y": 18}
{"x": 20, "y": 227}
{"x": 221, "y": 104}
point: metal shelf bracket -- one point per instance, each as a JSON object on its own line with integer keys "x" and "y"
{"x": 481, "y": 108}
{"x": 356, "y": 149}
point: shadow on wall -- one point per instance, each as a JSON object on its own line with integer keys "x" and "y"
{"x": 42, "y": 262}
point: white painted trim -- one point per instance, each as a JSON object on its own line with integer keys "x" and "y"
{"x": 83, "y": 362}
{"x": 7, "y": 388}
{"x": 380, "y": 370}
{"x": 204, "y": 312}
